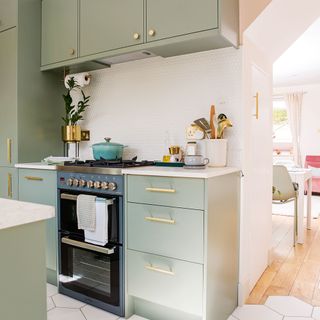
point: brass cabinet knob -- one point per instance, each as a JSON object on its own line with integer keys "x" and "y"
{"x": 152, "y": 33}
{"x": 72, "y": 51}
{"x": 136, "y": 36}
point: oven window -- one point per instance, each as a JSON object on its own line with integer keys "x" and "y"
{"x": 69, "y": 220}
{"x": 93, "y": 274}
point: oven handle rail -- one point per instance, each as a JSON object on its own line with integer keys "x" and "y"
{"x": 87, "y": 246}
{"x": 74, "y": 197}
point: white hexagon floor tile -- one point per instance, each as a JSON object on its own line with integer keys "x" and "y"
{"x": 65, "y": 314}
{"x": 63, "y": 301}
{"x": 256, "y": 312}
{"x": 51, "y": 290}
{"x": 92, "y": 313}
{"x": 316, "y": 313}
{"x": 289, "y": 306}
{"x": 50, "y": 304}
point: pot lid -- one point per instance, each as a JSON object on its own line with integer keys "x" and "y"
{"x": 108, "y": 143}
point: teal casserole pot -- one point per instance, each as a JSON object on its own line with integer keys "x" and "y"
{"x": 107, "y": 150}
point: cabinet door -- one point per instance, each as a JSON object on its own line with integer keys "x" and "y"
{"x": 8, "y": 97}
{"x": 8, "y": 183}
{"x": 8, "y": 14}
{"x": 59, "y": 30}
{"x": 110, "y": 24}
{"x": 40, "y": 186}
{"x": 170, "y": 18}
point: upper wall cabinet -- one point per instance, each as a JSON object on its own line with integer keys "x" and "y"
{"x": 110, "y": 24}
{"x": 171, "y": 18}
{"x": 110, "y": 28}
{"x": 59, "y": 30}
{"x": 8, "y": 14}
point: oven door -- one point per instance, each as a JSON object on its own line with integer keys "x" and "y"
{"x": 68, "y": 222}
{"x": 91, "y": 273}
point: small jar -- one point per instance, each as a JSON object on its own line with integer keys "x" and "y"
{"x": 191, "y": 148}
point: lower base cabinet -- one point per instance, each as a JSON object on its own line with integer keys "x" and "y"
{"x": 182, "y": 247}
{"x": 40, "y": 186}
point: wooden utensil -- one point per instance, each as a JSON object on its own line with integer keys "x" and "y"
{"x": 212, "y": 114}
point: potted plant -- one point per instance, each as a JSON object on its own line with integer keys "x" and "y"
{"x": 71, "y": 131}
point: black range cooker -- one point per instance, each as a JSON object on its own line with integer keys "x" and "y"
{"x": 88, "y": 272}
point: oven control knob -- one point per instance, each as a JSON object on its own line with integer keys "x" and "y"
{"x": 82, "y": 183}
{"x": 75, "y": 182}
{"x": 105, "y": 185}
{"x": 112, "y": 186}
{"x": 70, "y": 182}
{"x": 90, "y": 184}
{"x": 97, "y": 184}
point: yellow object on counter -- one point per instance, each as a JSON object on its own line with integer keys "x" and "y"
{"x": 166, "y": 158}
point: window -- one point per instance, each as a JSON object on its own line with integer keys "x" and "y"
{"x": 281, "y": 127}
{"x": 282, "y": 137}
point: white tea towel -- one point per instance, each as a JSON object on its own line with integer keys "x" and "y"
{"x": 100, "y": 235}
{"x": 86, "y": 212}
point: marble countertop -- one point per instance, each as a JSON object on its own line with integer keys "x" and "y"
{"x": 36, "y": 165}
{"x": 16, "y": 213}
{"x": 180, "y": 172}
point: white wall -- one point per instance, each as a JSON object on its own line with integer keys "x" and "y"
{"x": 310, "y": 125}
{"x": 138, "y": 103}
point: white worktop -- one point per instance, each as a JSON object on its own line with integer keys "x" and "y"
{"x": 36, "y": 165}
{"x": 180, "y": 172}
{"x": 16, "y": 213}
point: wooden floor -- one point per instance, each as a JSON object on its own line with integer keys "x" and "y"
{"x": 294, "y": 271}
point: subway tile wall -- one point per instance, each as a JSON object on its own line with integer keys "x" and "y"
{"x": 149, "y": 103}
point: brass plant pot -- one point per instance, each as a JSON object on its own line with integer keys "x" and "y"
{"x": 71, "y": 133}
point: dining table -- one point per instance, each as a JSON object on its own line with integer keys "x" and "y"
{"x": 303, "y": 177}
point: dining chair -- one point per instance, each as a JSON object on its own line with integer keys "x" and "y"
{"x": 284, "y": 190}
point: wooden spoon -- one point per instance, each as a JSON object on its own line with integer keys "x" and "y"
{"x": 213, "y": 129}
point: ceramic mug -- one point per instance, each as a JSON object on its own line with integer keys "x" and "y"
{"x": 196, "y": 160}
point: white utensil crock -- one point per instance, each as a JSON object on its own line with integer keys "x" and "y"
{"x": 216, "y": 151}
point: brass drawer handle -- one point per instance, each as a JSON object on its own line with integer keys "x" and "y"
{"x": 156, "y": 269}
{"x": 33, "y": 178}
{"x": 9, "y": 185}
{"x": 161, "y": 190}
{"x": 9, "y": 157}
{"x": 161, "y": 220}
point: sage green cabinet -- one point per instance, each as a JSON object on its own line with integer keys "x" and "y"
{"x": 182, "y": 246}
{"x": 110, "y": 28}
{"x": 59, "y": 30}
{"x": 110, "y": 24}
{"x": 8, "y": 97}
{"x": 172, "y": 18}
{"x": 40, "y": 186}
{"x": 8, "y": 14}
{"x": 30, "y": 100}
{"x": 8, "y": 183}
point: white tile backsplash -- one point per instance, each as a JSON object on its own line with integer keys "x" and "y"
{"x": 141, "y": 103}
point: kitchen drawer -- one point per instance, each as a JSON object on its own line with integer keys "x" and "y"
{"x": 168, "y": 282}
{"x": 167, "y": 231}
{"x": 166, "y": 191}
{"x": 38, "y": 186}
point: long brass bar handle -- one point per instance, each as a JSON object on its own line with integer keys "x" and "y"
{"x": 161, "y": 220}
{"x": 9, "y": 151}
{"x": 257, "y": 105}
{"x": 156, "y": 269}
{"x": 33, "y": 178}
{"x": 9, "y": 185}
{"x": 161, "y": 190}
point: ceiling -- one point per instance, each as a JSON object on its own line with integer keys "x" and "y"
{"x": 300, "y": 64}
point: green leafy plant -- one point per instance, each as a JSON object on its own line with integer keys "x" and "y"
{"x": 74, "y": 112}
